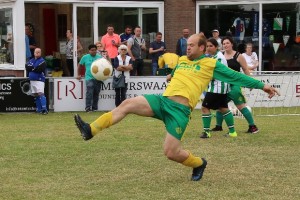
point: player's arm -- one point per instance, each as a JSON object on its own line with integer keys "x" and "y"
{"x": 41, "y": 68}
{"x": 228, "y": 75}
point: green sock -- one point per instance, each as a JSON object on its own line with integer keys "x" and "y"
{"x": 219, "y": 117}
{"x": 248, "y": 115}
{"x": 228, "y": 116}
{"x": 206, "y": 119}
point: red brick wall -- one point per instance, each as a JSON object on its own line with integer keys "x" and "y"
{"x": 16, "y": 73}
{"x": 179, "y": 14}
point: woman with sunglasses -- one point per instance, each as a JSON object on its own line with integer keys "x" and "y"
{"x": 122, "y": 65}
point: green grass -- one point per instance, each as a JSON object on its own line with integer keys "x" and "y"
{"x": 44, "y": 157}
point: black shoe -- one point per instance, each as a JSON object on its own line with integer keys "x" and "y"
{"x": 217, "y": 128}
{"x": 88, "y": 109}
{"x": 252, "y": 129}
{"x": 205, "y": 134}
{"x": 44, "y": 112}
{"x": 83, "y": 127}
{"x": 198, "y": 171}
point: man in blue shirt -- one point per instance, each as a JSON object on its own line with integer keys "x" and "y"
{"x": 126, "y": 35}
{"x": 36, "y": 69}
{"x": 181, "y": 45}
{"x": 157, "y": 48}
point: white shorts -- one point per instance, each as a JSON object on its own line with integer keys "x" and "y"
{"x": 37, "y": 86}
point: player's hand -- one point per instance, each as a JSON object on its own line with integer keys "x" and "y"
{"x": 271, "y": 91}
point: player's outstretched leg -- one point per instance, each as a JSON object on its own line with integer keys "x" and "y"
{"x": 137, "y": 105}
{"x": 83, "y": 127}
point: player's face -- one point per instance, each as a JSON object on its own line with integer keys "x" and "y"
{"x": 193, "y": 50}
{"x": 227, "y": 45}
{"x": 211, "y": 49}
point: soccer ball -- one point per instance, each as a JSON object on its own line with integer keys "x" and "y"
{"x": 101, "y": 69}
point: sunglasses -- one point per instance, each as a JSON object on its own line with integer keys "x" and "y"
{"x": 103, "y": 51}
{"x": 124, "y": 49}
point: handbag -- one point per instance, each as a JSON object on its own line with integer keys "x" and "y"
{"x": 119, "y": 81}
{"x": 277, "y": 23}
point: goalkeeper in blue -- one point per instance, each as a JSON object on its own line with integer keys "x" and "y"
{"x": 187, "y": 81}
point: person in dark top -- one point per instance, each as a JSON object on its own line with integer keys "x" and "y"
{"x": 29, "y": 30}
{"x": 236, "y": 61}
{"x": 157, "y": 48}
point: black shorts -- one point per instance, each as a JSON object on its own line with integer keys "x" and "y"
{"x": 215, "y": 101}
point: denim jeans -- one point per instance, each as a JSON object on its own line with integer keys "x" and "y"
{"x": 93, "y": 88}
{"x": 154, "y": 69}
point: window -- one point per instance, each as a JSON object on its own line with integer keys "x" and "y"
{"x": 120, "y": 17}
{"x": 6, "y": 36}
{"x": 278, "y": 43}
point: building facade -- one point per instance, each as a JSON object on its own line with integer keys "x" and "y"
{"x": 272, "y": 26}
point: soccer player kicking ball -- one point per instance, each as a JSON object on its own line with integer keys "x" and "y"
{"x": 188, "y": 80}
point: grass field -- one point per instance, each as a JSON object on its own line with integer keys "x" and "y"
{"x": 44, "y": 157}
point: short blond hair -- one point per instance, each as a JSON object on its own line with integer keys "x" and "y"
{"x": 122, "y": 46}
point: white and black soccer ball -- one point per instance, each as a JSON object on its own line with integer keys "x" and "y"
{"x": 101, "y": 69}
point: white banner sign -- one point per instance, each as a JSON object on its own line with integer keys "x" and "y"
{"x": 69, "y": 94}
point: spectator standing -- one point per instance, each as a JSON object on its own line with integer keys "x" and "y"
{"x": 93, "y": 86}
{"x": 181, "y": 45}
{"x": 215, "y": 34}
{"x": 69, "y": 52}
{"x": 250, "y": 57}
{"x": 126, "y": 35}
{"x": 28, "y": 53}
{"x": 29, "y": 30}
{"x": 157, "y": 48}
{"x": 36, "y": 68}
{"x": 122, "y": 65}
{"x": 136, "y": 45}
{"x": 110, "y": 42}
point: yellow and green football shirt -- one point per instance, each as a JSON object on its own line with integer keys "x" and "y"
{"x": 191, "y": 78}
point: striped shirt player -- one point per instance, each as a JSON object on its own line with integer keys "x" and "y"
{"x": 217, "y": 86}
{"x": 216, "y": 96}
